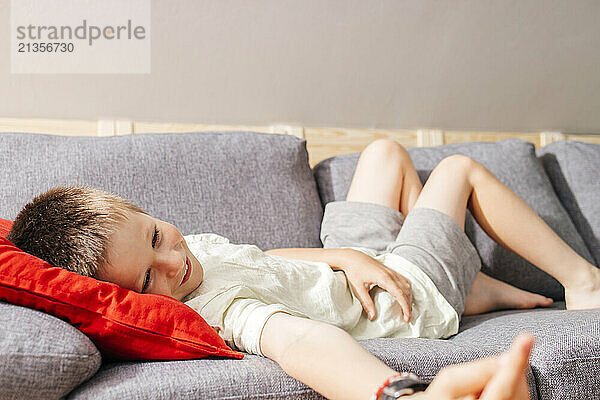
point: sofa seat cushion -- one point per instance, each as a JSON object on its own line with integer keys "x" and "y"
{"x": 573, "y": 169}
{"x": 566, "y": 357}
{"x": 564, "y": 363}
{"x": 515, "y": 164}
{"x": 41, "y": 357}
{"x": 249, "y": 187}
{"x": 255, "y": 377}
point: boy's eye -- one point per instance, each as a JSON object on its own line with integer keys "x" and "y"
{"x": 146, "y": 281}
{"x": 155, "y": 236}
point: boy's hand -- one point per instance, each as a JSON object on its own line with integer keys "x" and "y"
{"x": 364, "y": 272}
{"x": 494, "y": 378}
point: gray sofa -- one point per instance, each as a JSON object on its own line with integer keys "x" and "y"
{"x": 258, "y": 188}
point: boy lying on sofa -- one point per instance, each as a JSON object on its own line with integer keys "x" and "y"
{"x": 394, "y": 249}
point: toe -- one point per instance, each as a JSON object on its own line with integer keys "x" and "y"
{"x": 545, "y": 302}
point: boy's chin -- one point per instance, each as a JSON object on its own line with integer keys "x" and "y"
{"x": 179, "y": 297}
{"x": 183, "y": 295}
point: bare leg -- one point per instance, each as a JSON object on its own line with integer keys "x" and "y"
{"x": 386, "y": 175}
{"x": 507, "y": 219}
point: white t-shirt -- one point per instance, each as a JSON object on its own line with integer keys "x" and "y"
{"x": 243, "y": 287}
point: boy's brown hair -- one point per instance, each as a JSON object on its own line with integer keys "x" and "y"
{"x": 70, "y": 227}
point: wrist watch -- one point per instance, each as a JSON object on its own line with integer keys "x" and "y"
{"x": 403, "y": 384}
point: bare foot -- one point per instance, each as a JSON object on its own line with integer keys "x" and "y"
{"x": 489, "y": 294}
{"x": 585, "y": 294}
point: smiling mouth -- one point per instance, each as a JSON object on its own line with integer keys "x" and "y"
{"x": 188, "y": 271}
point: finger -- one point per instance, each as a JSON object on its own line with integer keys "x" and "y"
{"x": 521, "y": 349}
{"x": 403, "y": 295}
{"x": 403, "y": 285}
{"x": 462, "y": 379}
{"x": 522, "y": 391}
{"x": 402, "y": 279}
{"x": 406, "y": 304}
{"x": 409, "y": 293}
{"x": 511, "y": 371}
{"x": 363, "y": 296}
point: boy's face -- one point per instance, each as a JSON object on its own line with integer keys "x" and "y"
{"x": 150, "y": 256}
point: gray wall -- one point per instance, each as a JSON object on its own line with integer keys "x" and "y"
{"x": 468, "y": 64}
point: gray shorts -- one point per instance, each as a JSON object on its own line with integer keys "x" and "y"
{"x": 428, "y": 238}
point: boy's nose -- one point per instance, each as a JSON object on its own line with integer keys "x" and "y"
{"x": 171, "y": 264}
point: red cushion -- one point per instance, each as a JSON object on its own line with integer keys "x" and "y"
{"x": 121, "y": 322}
{"x": 5, "y": 226}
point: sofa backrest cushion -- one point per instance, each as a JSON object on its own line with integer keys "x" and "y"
{"x": 41, "y": 356}
{"x": 574, "y": 170}
{"x": 515, "y": 164}
{"x": 249, "y": 187}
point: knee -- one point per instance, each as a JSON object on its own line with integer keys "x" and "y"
{"x": 461, "y": 165}
{"x": 387, "y": 149}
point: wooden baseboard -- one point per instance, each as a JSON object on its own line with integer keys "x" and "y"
{"x": 321, "y": 142}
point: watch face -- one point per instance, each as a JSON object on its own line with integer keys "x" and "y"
{"x": 399, "y": 388}
{"x": 403, "y": 386}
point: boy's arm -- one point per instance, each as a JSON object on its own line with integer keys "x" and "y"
{"x": 334, "y": 257}
{"x": 362, "y": 271}
{"x": 331, "y": 362}
{"x": 323, "y": 356}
